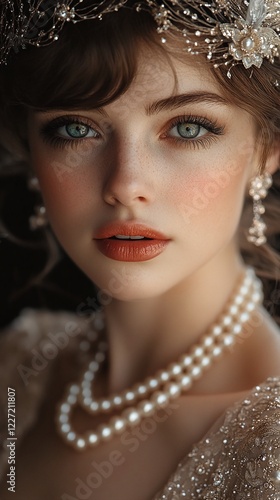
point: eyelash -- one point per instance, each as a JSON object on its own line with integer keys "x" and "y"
{"x": 203, "y": 141}
{"x": 49, "y": 131}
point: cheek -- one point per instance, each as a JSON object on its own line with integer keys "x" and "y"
{"x": 69, "y": 195}
{"x": 210, "y": 201}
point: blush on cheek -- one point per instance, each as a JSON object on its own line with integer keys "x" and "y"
{"x": 61, "y": 193}
{"x": 211, "y": 195}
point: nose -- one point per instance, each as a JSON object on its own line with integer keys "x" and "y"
{"x": 128, "y": 178}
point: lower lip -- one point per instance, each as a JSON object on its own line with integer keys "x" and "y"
{"x": 131, "y": 250}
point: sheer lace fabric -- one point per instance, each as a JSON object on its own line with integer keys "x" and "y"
{"x": 238, "y": 459}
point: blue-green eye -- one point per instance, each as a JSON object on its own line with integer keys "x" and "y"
{"x": 188, "y": 130}
{"x": 76, "y": 131}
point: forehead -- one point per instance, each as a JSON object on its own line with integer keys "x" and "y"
{"x": 159, "y": 75}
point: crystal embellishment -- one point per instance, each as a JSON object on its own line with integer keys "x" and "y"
{"x": 251, "y": 43}
{"x": 227, "y": 32}
{"x": 65, "y": 13}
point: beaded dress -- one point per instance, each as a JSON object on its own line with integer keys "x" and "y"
{"x": 239, "y": 458}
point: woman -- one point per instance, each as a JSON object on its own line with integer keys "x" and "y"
{"x": 144, "y": 154}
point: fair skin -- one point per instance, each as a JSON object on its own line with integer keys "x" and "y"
{"x": 137, "y": 166}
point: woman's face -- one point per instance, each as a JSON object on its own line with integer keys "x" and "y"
{"x": 173, "y": 160}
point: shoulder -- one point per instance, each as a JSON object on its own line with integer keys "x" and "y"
{"x": 29, "y": 347}
{"x": 260, "y": 348}
{"x": 240, "y": 455}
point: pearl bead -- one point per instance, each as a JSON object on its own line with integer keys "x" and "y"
{"x": 93, "y": 366}
{"x": 217, "y": 330}
{"x": 65, "y": 428}
{"x": 118, "y": 424}
{"x": 89, "y": 376}
{"x": 117, "y": 400}
{"x": 164, "y": 375}
{"x": 86, "y": 385}
{"x": 243, "y": 290}
{"x": 93, "y": 438}
{"x": 81, "y": 443}
{"x": 74, "y": 389}
{"x": 227, "y": 320}
{"x": 228, "y": 340}
{"x": 71, "y": 436}
{"x": 173, "y": 390}
{"x": 250, "y": 306}
{"x": 237, "y": 329}
{"x": 186, "y": 361}
{"x": 129, "y": 396}
{"x": 185, "y": 382}
{"x": 63, "y": 418}
{"x": 152, "y": 383}
{"x": 160, "y": 398}
{"x": 132, "y": 415}
{"x": 205, "y": 361}
{"x": 233, "y": 310}
{"x": 238, "y": 300}
{"x": 217, "y": 351}
{"x": 141, "y": 389}
{"x": 94, "y": 406}
{"x": 71, "y": 399}
{"x": 248, "y": 44}
{"x": 197, "y": 351}
{"x": 105, "y": 432}
{"x": 65, "y": 408}
{"x": 86, "y": 392}
{"x": 87, "y": 401}
{"x": 196, "y": 372}
{"x": 256, "y": 297}
{"x": 207, "y": 341}
{"x": 244, "y": 317}
{"x": 175, "y": 369}
{"x": 146, "y": 407}
{"x": 106, "y": 405}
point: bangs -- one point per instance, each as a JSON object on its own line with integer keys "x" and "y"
{"x": 90, "y": 65}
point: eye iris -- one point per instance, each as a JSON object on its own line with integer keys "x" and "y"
{"x": 77, "y": 130}
{"x": 188, "y": 130}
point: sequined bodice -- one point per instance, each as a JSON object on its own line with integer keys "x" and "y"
{"x": 239, "y": 458}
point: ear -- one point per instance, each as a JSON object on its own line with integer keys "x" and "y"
{"x": 273, "y": 160}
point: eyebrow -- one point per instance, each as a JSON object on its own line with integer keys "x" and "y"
{"x": 177, "y": 101}
{"x": 167, "y": 104}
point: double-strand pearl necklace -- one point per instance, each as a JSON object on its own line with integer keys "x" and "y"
{"x": 146, "y": 398}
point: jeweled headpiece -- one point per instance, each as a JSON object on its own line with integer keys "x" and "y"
{"x": 227, "y": 31}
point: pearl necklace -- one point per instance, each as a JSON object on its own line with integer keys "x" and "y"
{"x": 144, "y": 399}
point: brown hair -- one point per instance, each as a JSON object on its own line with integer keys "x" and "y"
{"x": 94, "y": 62}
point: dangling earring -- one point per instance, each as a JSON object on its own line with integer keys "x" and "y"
{"x": 258, "y": 190}
{"x": 39, "y": 220}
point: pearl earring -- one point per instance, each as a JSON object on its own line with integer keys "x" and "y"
{"x": 39, "y": 219}
{"x": 258, "y": 190}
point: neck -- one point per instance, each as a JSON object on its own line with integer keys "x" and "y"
{"x": 147, "y": 335}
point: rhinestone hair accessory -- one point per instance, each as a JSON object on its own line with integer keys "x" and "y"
{"x": 228, "y": 32}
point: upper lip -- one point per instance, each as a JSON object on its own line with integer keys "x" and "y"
{"x": 128, "y": 229}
